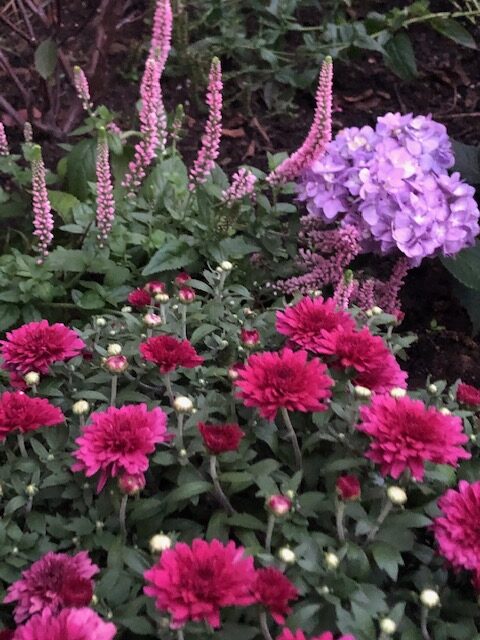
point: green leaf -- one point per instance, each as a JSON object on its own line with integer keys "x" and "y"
{"x": 9, "y": 314}
{"x": 46, "y": 58}
{"x": 90, "y": 300}
{"x": 467, "y": 161}
{"x": 465, "y": 266}
{"x": 188, "y": 491}
{"x": 400, "y": 56}
{"x": 173, "y": 255}
{"x": 454, "y": 30}
{"x": 62, "y": 203}
{"x": 387, "y": 558}
{"x": 81, "y": 163}
{"x": 138, "y": 625}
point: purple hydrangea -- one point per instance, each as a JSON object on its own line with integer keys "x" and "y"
{"x": 392, "y": 184}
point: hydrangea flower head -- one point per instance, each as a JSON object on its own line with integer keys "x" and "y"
{"x": 405, "y": 434}
{"x": 53, "y": 583}
{"x": 118, "y": 441}
{"x": 69, "y": 624}
{"x": 195, "y": 582}
{"x": 23, "y": 413}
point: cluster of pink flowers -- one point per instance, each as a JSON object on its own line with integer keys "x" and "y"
{"x": 19, "y": 412}
{"x": 82, "y": 88}
{"x": 4, "y": 150}
{"x": 42, "y": 210}
{"x": 161, "y": 32}
{"x": 243, "y": 186}
{"x": 105, "y": 201}
{"x": 209, "y": 150}
{"x": 169, "y": 353}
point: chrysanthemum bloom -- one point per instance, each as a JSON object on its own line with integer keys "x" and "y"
{"x": 168, "y": 353}
{"x": 105, "y": 201}
{"x": 374, "y": 365}
{"x": 406, "y": 434}
{"x": 19, "y": 412}
{"x": 42, "y": 210}
{"x": 274, "y": 591}
{"x": 348, "y": 487}
{"x": 139, "y": 298}
{"x": 7, "y": 634}
{"x": 219, "y": 438}
{"x": 456, "y": 531}
{"x": 69, "y": 624}
{"x": 271, "y": 381}
{"x": 299, "y": 635}
{"x": 37, "y": 345}
{"x": 310, "y": 320}
{"x": 54, "y": 582}
{"x": 195, "y": 582}
{"x": 467, "y": 394}
{"x": 118, "y": 441}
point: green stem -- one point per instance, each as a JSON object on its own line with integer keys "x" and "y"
{"x": 168, "y": 388}
{"x": 387, "y": 507}
{"x": 113, "y": 391}
{"x": 122, "y": 515}
{"x": 339, "y": 516}
{"x": 269, "y": 533}
{"x": 184, "y": 321}
{"x": 293, "y": 437}
{"x": 264, "y": 626}
{"x": 21, "y": 445}
{"x": 424, "y": 624}
{"x": 180, "y": 431}
{"x": 222, "y": 498}
{"x": 180, "y": 634}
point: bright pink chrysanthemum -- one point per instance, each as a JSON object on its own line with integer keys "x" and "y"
{"x": 375, "y": 366}
{"x": 37, "y": 345}
{"x": 406, "y": 434}
{"x": 69, "y": 624}
{"x": 54, "y": 582}
{"x": 299, "y": 635}
{"x": 19, "y": 412}
{"x": 467, "y": 394}
{"x": 118, "y": 441}
{"x": 274, "y": 591}
{"x": 285, "y": 379}
{"x": 310, "y": 320}
{"x": 195, "y": 582}
{"x": 168, "y": 353}
{"x": 139, "y": 298}
{"x": 456, "y": 531}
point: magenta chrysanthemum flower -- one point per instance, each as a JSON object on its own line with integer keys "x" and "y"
{"x": 23, "y": 413}
{"x": 42, "y": 210}
{"x": 274, "y": 591}
{"x": 299, "y": 635}
{"x": 139, "y": 298}
{"x": 374, "y": 365}
{"x": 310, "y": 320}
{"x": 467, "y": 394}
{"x": 220, "y": 438}
{"x": 37, "y": 345}
{"x": 209, "y": 150}
{"x": 169, "y": 353}
{"x": 69, "y": 624}
{"x": 456, "y": 531}
{"x": 406, "y": 434}
{"x": 105, "y": 201}
{"x": 54, "y": 582}
{"x": 118, "y": 441}
{"x": 286, "y": 379}
{"x": 195, "y": 582}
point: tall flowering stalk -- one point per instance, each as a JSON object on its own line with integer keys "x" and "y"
{"x": 145, "y": 150}
{"x": 209, "y": 150}
{"x": 42, "y": 210}
{"x": 105, "y": 201}
{"x": 243, "y": 185}
{"x": 319, "y": 135}
{"x": 81, "y": 86}
{"x": 161, "y": 32}
{"x": 4, "y": 150}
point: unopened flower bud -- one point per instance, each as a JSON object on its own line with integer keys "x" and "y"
{"x": 100, "y": 322}
{"x": 377, "y": 311}
{"x": 398, "y": 392}
{"x": 126, "y": 309}
{"x": 362, "y": 392}
{"x": 80, "y": 408}
{"x": 429, "y": 598}
{"x": 159, "y": 542}
{"x": 183, "y": 453}
{"x": 152, "y": 320}
{"x": 317, "y": 293}
{"x": 94, "y": 600}
{"x": 155, "y": 287}
{"x": 232, "y": 373}
{"x": 31, "y": 490}
{"x": 286, "y": 555}
{"x": 444, "y": 411}
{"x": 388, "y": 626}
{"x": 324, "y": 590}
{"x": 131, "y": 484}
{"x": 225, "y": 265}
{"x": 332, "y": 560}
{"x": 249, "y": 337}
{"x": 15, "y": 550}
{"x": 396, "y": 495}
{"x": 224, "y": 343}
{"x": 99, "y": 525}
{"x": 182, "y": 404}
{"x": 186, "y": 295}
{"x": 348, "y": 488}
{"x": 32, "y": 378}
{"x": 114, "y": 349}
{"x": 369, "y": 313}
{"x": 182, "y": 278}
{"x": 219, "y": 269}
{"x": 279, "y": 505}
{"x": 432, "y": 389}
{"x": 116, "y": 364}
{"x": 162, "y": 298}
{"x": 290, "y": 494}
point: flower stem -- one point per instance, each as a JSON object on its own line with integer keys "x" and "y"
{"x": 168, "y": 387}
{"x": 264, "y": 626}
{"x": 340, "y": 513}
{"x": 113, "y": 391}
{"x": 163, "y": 313}
{"x": 122, "y": 515}
{"x": 222, "y": 498}
{"x": 184, "y": 321}
{"x": 21, "y": 445}
{"x": 293, "y": 437}
{"x": 269, "y": 533}
{"x": 387, "y": 507}
{"x": 423, "y": 624}
{"x": 180, "y": 431}
{"x": 180, "y": 634}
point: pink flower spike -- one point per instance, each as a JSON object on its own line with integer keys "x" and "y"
{"x": 243, "y": 186}
{"x": 4, "y": 151}
{"x": 319, "y": 135}
{"x": 105, "y": 201}
{"x": 42, "y": 210}
{"x": 81, "y": 86}
{"x": 209, "y": 150}
{"x": 162, "y": 32}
